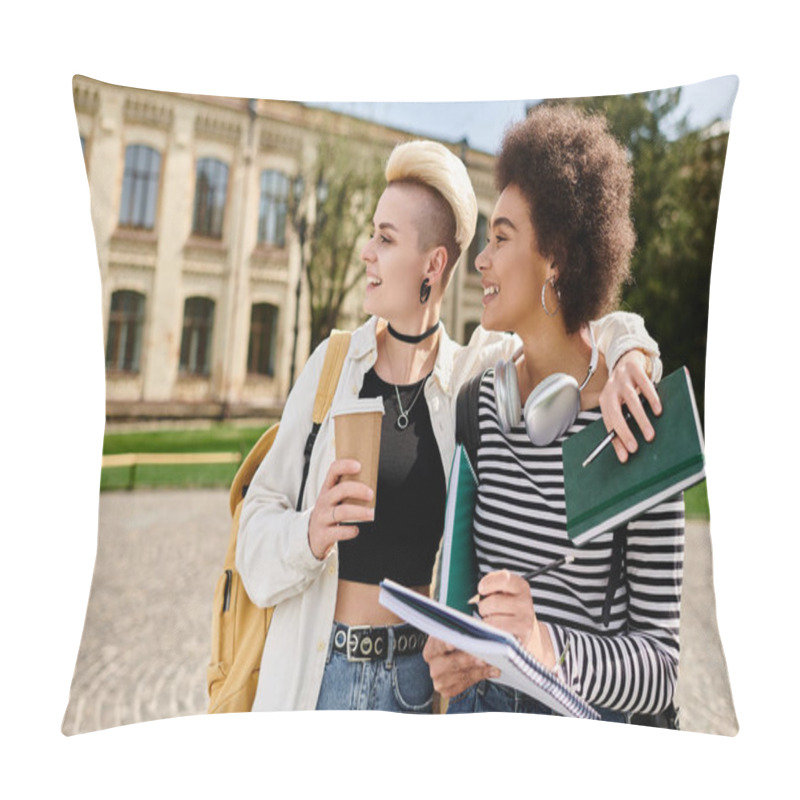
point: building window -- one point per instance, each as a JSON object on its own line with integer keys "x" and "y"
{"x": 272, "y": 208}
{"x": 140, "y": 187}
{"x": 477, "y": 244}
{"x": 261, "y": 353}
{"x": 125, "y": 323}
{"x": 198, "y": 323}
{"x": 210, "y": 193}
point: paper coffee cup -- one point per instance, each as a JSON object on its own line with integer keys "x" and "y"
{"x": 357, "y": 430}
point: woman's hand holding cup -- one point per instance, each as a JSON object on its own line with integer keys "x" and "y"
{"x": 332, "y": 513}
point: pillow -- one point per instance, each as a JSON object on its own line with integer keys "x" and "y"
{"x": 196, "y": 204}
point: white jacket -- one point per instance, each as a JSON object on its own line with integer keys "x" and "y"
{"x": 273, "y": 555}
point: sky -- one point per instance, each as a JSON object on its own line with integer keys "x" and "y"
{"x": 483, "y": 122}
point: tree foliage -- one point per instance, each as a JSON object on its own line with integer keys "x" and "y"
{"x": 348, "y": 181}
{"x": 677, "y": 183}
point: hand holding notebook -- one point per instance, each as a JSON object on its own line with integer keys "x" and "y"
{"x": 518, "y": 668}
{"x": 602, "y": 494}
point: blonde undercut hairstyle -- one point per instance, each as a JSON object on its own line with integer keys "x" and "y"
{"x": 435, "y": 168}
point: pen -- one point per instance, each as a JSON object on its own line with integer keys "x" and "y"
{"x": 606, "y": 441}
{"x": 563, "y": 657}
{"x": 528, "y": 576}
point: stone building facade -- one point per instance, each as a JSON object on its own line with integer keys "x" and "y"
{"x": 191, "y": 201}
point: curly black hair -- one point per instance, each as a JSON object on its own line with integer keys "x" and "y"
{"x": 576, "y": 178}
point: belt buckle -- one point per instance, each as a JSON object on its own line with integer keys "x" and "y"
{"x": 353, "y": 641}
{"x": 376, "y": 642}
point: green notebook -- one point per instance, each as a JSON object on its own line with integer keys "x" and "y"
{"x": 459, "y": 567}
{"x": 606, "y": 493}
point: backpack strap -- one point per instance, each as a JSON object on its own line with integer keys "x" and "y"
{"x": 668, "y": 718}
{"x": 338, "y": 345}
{"x": 616, "y": 572}
{"x": 467, "y": 431}
{"x": 329, "y": 379}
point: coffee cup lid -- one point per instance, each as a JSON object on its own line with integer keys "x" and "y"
{"x": 360, "y": 405}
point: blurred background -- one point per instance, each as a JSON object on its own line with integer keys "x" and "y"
{"x": 228, "y": 234}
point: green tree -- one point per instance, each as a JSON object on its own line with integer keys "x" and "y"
{"x": 677, "y": 183}
{"x": 348, "y": 178}
{"x": 673, "y": 292}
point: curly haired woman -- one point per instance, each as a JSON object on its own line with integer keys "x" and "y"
{"x": 559, "y": 249}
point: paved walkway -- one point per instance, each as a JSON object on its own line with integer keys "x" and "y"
{"x": 145, "y": 644}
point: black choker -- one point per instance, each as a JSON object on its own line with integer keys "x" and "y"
{"x": 414, "y": 339}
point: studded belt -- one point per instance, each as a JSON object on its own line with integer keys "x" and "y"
{"x": 374, "y": 643}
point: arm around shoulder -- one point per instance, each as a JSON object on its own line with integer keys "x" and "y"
{"x": 621, "y": 331}
{"x": 616, "y": 333}
{"x": 484, "y": 350}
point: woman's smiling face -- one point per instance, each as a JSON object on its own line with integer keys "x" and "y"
{"x": 394, "y": 263}
{"x": 512, "y": 269}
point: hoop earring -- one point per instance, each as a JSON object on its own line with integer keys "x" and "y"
{"x": 424, "y": 291}
{"x": 552, "y": 281}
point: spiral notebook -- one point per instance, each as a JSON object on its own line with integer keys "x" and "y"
{"x": 518, "y": 668}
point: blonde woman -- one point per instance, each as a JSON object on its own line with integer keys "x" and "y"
{"x": 331, "y": 644}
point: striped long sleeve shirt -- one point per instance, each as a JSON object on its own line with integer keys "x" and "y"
{"x": 629, "y": 661}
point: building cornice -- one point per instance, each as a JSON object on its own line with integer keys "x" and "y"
{"x": 139, "y": 111}
{"x": 86, "y": 98}
{"x": 210, "y": 126}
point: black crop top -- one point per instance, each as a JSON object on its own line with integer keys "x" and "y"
{"x": 402, "y": 541}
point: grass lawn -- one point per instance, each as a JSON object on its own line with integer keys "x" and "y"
{"x": 697, "y": 501}
{"x": 220, "y": 438}
{"x": 226, "y": 438}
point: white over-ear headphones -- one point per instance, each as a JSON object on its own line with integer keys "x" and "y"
{"x": 550, "y": 408}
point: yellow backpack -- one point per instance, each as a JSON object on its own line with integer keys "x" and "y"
{"x": 238, "y": 627}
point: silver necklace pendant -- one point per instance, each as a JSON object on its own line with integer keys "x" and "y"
{"x": 402, "y": 418}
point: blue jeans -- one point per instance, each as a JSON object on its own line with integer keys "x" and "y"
{"x": 490, "y": 696}
{"x": 398, "y": 683}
